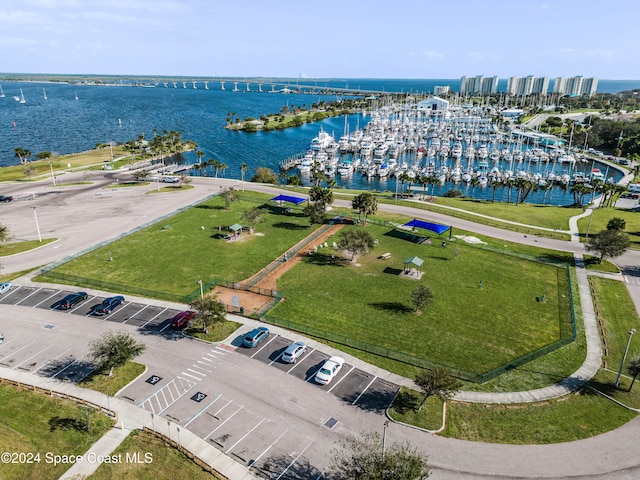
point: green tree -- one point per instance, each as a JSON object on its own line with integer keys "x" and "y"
{"x": 28, "y": 170}
{"x": 475, "y": 181}
{"x": 421, "y": 296}
{"x": 363, "y": 458}
{"x": 209, "y": 311}
{"x": 264, "y": 175}
{"x": 579, "y": 191}
{"x": 43, "y": 155}
{"x": 294, "y": 180}
{"x": 141, "y": 175}
{"x": 494, "y": 184}
{"x": 436, "y": 382}
{"x": 252, "y": 216}
{"x": 356, "y": 241}
{"x": 243, "y": 170}
{"x": 608, "y": 243}
{"x": 229, "y": 195}
{"x": 5, "y": 235}
{"x": 316, "y": 212}
{"x": 322, "y": 196}
{"x": 616, "y": 223}
{"x": 186, "y": 179}
{"x": 365, "y": 204}
{"x": 22, "y": 154}
{"x": 199, "y": 155}
{"x": 114, "y": 349}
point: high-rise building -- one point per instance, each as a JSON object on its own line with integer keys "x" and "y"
{"x": 575, "y": 86}
{"x": 478, "y": 85}
{"x": 441, "y": 89}
{"x": 527, "y": 85}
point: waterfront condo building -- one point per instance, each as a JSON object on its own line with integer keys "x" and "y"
{"x": 575, "y": 86}
{"x": 528, "y": 85}
{"x": 478, "y": 85}
{"x": 441, "y": 89}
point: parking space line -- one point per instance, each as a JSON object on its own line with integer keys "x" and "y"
{"x": 51, "y": 360}
{"x": 230, "y": 417}
{"x": 294, "y": 461}
{"x": 164, "y": 396}
{"x": 35, "y": 355}
{"x": 269, "y": 447}
{"x": 85, "y": 375}
{"x": 52, "y": 295}
{"x": 365, "y": 389}
{"x": 321, "y": 474}
{"x": 88, "y": 300}
{"x": 244, "y": 436}
{"x": 300, "y": 360}
{"x": 135, "y": 314}
{"x": 313, "y": 374}
{"x": 12, "y": 291}
{"x": 162, "y": 411}
{"x": 338, "y": 382}
{"x": 202, "y": 368}
{"x": 152, "y": 319}
{"x": 192, "y": 376}
{"x": 276, "y": 359}
{"x": 195, "y": 371}
{"x": 228, "y": 403}
{"x": 220, "y": 351}
{"x": 202, "y": 410}
{"x": 20, "y": 349}
{"x": 264, "y": 346}
{"x": 75, "y": 361}
{"x": 35, "y": 291}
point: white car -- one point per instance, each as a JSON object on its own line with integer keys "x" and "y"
{"x": 5, "y": 287}
{"x": 170, "y": 179}
{"x": 329, "y": 370}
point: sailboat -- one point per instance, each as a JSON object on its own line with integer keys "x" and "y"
{"x": 1, "y": 92}
{"x": 76, "y": 95}
{"x": 45, "y": 93}
{"x": 22, "y": 100}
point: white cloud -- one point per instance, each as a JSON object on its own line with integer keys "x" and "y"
{"x": 432, "y": 55}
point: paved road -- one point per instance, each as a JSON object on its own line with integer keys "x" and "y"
{"x": 86, "y": 219}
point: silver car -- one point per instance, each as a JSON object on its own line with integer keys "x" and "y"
{"x": 293, "y": 352}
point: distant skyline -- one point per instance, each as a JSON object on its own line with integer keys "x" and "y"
{"x": 328, "y": 39}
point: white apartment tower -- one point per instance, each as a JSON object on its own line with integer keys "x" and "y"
{"x": 527, "y": 85}
{"x": 575, "y": 86}
{"x": 478, "y": 85}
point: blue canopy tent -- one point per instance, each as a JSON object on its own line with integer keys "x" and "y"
{"x": 287, "y": 198}
{"x": 432, "y": 227}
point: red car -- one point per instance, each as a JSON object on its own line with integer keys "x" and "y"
{"x": 182, "y": 319}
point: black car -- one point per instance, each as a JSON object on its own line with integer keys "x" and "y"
{"x": 70, "y": 301}
{"x": 108, "y": 305}
{"x": 5, "y": 198}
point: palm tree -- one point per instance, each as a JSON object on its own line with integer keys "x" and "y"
{"x": 494, "y": 184}
{"x": 22, "y": 154}
{"x": 402, "y": 178}
{"x": 243, "y": 169}
{"x": 366, "y": 204}
{"x": 546, "y": 188}
{"x": 475, "y": 181}
{"x": 199, "y": 155}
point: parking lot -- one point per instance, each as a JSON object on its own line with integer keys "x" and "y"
{"x": 199, "y": 385}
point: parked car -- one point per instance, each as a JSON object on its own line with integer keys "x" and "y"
{"x": 329, "y": 370}
{"x": 70, "y": 301}
{"x": 170, "y": 179}
{"x": 255, "y": 337}
{"x": 5, "y": 198}
{"x": 182, "y": 319}
{"x": 108, "y": 305}
{"x": 293, "y": 352}
{"x": 5, "y": 287}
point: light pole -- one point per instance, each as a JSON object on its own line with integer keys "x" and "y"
{"x": 201, "y": 290}
{"x": 53, "y": 178}
{"x": 624, "y": 356}
{"x": 37, "y": 225}
{"x": 384, "y": 438}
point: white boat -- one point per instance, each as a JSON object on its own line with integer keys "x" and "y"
{"x": 76, "y": 95}
{"x": 22, "y": 100}
{"x": 320, "y": 142}
{"x": 383, "y": 170}
{"x": 44, "y": 93}
{"x": 345, "y": 169}
{"x": 1, "y": 92}
{"x": 305, "y": 166}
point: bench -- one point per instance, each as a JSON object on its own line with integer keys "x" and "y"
{"x": 385, "y": 256}
{"x": 166, "y": 227}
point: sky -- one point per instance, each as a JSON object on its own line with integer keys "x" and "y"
{"x": 322, "y": 38}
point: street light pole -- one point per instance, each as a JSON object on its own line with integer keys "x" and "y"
{"x": 37, "y": 225}
{"x": 624, "y": 356}
{"x": 201, "y": 290}
{"x": 384, "y": 438}
{"x": 53, "y": 177}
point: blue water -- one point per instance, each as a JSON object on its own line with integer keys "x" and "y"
{"x": 61, "y": 124}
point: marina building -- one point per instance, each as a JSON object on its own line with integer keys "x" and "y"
{"x": 478, "y": 85}
{"x": 441, "y": 89}
{"x": 528, "y": 85}
{"x": 434, "y": 106}
{"x": 575, "y": 86}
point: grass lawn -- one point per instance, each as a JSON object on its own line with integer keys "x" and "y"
{"x": 405, "y": 410}
{"x": 19, "y": 247}
{"x": 166, "y": 462}
{"x": 602, "y": 215}
{"x": 605, "y": 266}
{"x": 122, "y": 376}
{"x": 127, "y": 184}
{"x": 31, "y": 422}
{"x": 171, "y": 188}
{"x": 462, "y": 325}
{"x": 172, "y": 260}
{"x": 217, "y": 333}
{"x": 566, "y": 419}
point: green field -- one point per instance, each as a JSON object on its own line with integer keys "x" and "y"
{"x": 171, "y": 260}
{"x": 467, "y": 327}
{"x": 36, "y": 423}
{"x": 602, "y": 216}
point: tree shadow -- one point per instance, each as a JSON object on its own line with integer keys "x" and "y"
{"x": 606, "y": 388}
{"x": 67, "y": 368}
{"x": 325, "y": 259}
{"x": 58, "y": 423}
{"x": 290, "y": 226}
{"x": 372, "y": 400}
{"x": 396, "y": 307}
{"x": 211, "y": 207}
{"x": 405, "y": 402}
{"x": 392, "y": 271}
{"x": 300, "y": 470}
